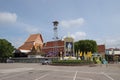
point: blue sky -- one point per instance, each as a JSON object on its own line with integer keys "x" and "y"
{"x": 83, "y": 19}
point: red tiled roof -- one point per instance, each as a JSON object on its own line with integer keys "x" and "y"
{"x": 33, "y": 37}
{"x": 26, "y": 46}
{"x": 53, "y": 43}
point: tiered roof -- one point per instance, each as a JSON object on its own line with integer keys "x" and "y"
{"x": 29, "y": 43}
{"x": 33, "y": 37}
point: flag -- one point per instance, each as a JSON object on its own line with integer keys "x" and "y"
{"x": 89, "y": 54}
{"x": 80, "y": 54}
{"x": 85, "y": 56}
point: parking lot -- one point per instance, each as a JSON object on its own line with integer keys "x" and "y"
{"x": 32, "y": 71}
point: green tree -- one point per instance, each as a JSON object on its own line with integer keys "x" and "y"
{"x": 6, "y": 49}
{"x": 76, "y": 46}
{"x": 86, "y": 46}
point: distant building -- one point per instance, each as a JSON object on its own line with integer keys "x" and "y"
{"x": 113, "y": 54}
{"x": 101, "y": 50}
{"x": 32, "y": 46}
{"x": 113, "y": 51}
{"x": 64, "y": 48}
{"x": 49, "y": 48}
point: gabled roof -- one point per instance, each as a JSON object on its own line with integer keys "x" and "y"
{"x": 29, "y": 43}
{"x": 33, "y": 37}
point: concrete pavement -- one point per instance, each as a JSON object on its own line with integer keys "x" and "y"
{"x": 36, "y": 71}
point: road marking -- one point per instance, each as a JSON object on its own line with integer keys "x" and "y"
{"x": 75, "y": 75}
{"x": 85, "y": 78}
{"x": 77, "y": 71}
{"x": 8, "y": 71}
{"x": 15, "y": 70}
{"x": 41, "y": 77}
{"x": 108, "y": 76}
{"x": 3, "y": 75}
{"x": 11, "y": 76}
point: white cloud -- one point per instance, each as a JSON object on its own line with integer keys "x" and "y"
{"x": 109, "y": 42}
{"x": 78, "y": 35}
{"x": 6, "y": 17}
{"x": 28, "y": 28}
{"x": 32, "y": 30}
{"x": 113, "y": 43}
{"x": 17, "y": 42}
{"x": 73, "y": 23}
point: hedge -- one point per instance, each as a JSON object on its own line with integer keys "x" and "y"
{"x": 71, "y": 62}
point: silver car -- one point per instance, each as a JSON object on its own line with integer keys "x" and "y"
{"x": 46, "y": 61}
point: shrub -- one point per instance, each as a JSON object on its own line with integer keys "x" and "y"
{"x": 71, "y": 62}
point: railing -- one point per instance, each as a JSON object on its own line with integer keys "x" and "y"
{"x": 32, "y": 60}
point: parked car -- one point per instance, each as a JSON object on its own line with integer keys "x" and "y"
{"x": 46, "y": 61}
{"x": 9, "y": 61}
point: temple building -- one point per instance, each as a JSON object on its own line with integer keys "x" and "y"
{"x": 59, "y": 48}
{"x": 50, "y": 50}
{"x": 32, "y": 47}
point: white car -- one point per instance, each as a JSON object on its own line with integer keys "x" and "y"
{"x": 9, "y": 61}
{"x": 46, "y": 61}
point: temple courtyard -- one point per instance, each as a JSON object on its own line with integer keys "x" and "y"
{"x": 36, "y": 71}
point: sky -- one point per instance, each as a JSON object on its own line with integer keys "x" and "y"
{"x": 97, "y": 20}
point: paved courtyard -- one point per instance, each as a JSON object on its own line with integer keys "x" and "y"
{"x": 35, "y": 71}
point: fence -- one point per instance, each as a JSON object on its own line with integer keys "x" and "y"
{"x": 32, "y": 60}
{"x": 3, "y": 60}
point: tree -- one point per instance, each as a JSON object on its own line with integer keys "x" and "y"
{"x": 6, "y": 49}
{"x": 76, "y": 46}
{"x": 86, "y": 46}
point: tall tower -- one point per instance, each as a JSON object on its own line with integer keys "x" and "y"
{"x": 55, "y": 24}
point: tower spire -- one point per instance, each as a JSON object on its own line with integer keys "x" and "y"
{"x": 55, "y": 50}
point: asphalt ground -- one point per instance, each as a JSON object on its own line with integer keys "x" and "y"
{"x": 36, "y": 71}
